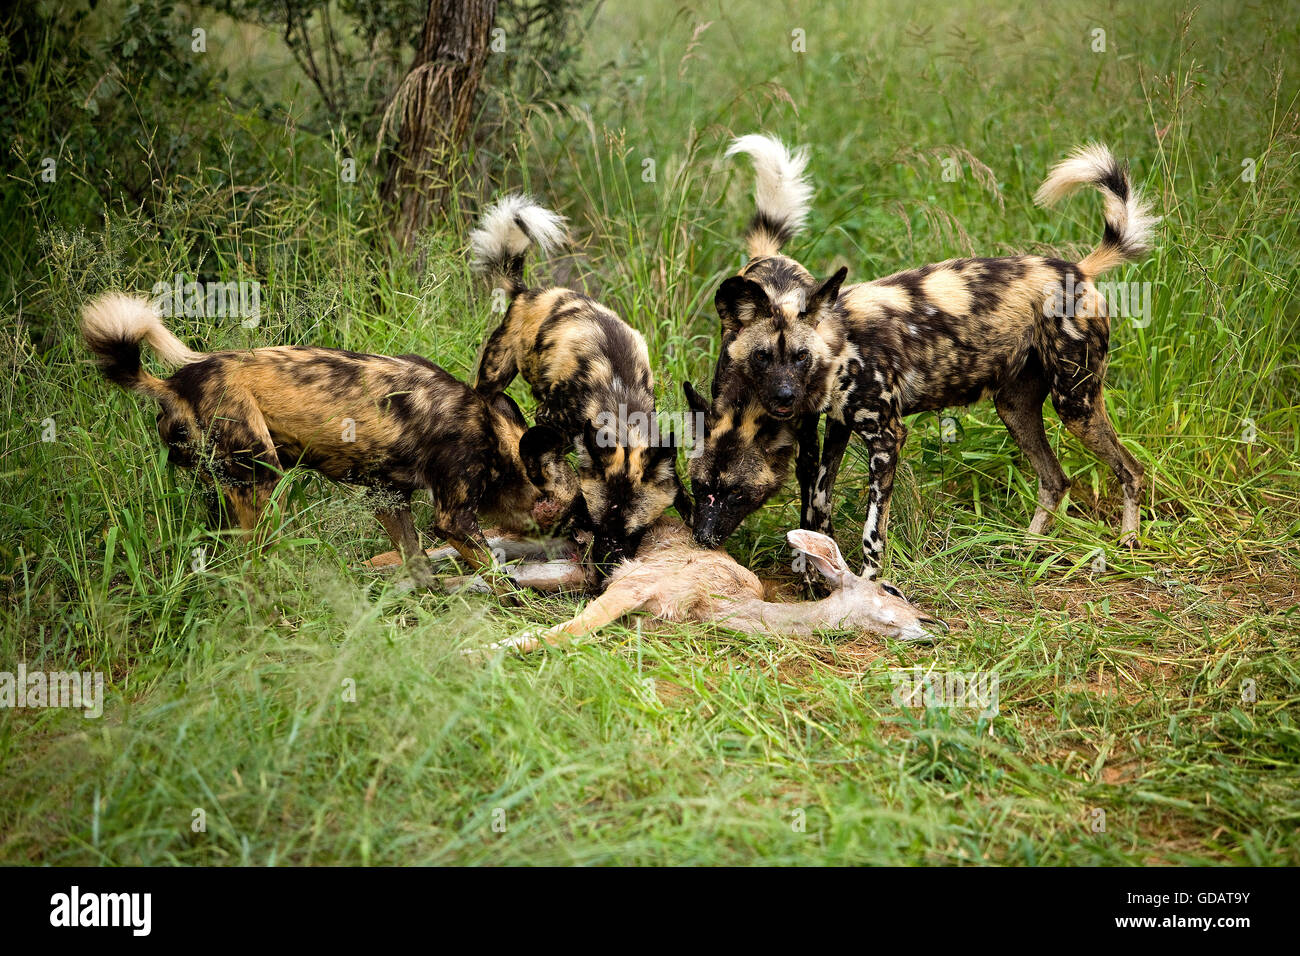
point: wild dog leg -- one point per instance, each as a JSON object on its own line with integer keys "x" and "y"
{"x": 1020, "y": 406}
{"x": 884, "y": 440}
{"x": 805, "y": 467}
{"x": 833, "y": 447}
{"x": 462, "y": 531}
{"x": 496, "y": 364}
{"x": 249, "y": 465}
{"x": 401, "y": 529}
{"x": 1080, "y": 370}
{"x": 817, "y": 493}
{"x": 1091, "y": 425}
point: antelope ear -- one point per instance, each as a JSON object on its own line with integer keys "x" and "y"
{"x": 740, "y": 301}
{"x": 822, "y": 551}
{"x": 826, "y": 295}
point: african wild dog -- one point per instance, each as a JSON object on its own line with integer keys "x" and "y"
{"x": 771, "y": 380}
{"x": 742, "y": 459}
{"x": 952, "y": 332}
{"x": 391, "y": 424}
{"x": 590, "y": 373}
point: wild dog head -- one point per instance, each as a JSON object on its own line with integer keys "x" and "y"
{"x": 543, "y": 486}
{"x": 774, "y": 310}
{"x": 778, "y": 349}
{"x": 744, "y": 461}
{"x": 628, "y": 477}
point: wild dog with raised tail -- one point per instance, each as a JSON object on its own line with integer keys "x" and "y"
{"x": 1017, "y": 328}
{"x": 590, "y": 373}
{"x": 776, "y": 343}
{"x": 393, "y": 425}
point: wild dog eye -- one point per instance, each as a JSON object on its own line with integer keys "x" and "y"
{"x": 802, "y": 356}
{"x": 763, "y": 356}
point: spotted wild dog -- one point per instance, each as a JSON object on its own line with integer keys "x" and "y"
{"x": 777, "y": 344}
{"x": 590, "y": 373}
{"x": 1017, "y": 328}
{"x": 743, "y": 458}
{"x": 393, "y": 425}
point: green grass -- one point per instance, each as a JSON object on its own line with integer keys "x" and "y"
{"x": 1121, "y": 689}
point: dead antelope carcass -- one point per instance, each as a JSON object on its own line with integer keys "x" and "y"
{"x": 676, "y": 580}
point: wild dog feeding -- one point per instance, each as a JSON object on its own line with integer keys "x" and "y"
{"x": 590, "y": 372}
{"x": 393, "y": 425}
{"x": 946, "y": 334}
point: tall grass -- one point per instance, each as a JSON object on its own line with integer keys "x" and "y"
{"x": 316, "y": 715}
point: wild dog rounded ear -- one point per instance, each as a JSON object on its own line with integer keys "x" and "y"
{"x": 740, "y": 301}
{"x": 696, "y": 401}
{"x": 537, "y": 445}
{"x": 827, "y": 293}
{"x": 699, "y": 405}
{"x": 503, "y": 404}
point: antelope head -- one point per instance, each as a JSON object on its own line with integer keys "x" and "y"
{"x": 862, "y": 603}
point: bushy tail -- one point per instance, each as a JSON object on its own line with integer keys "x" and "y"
{"x": 1129, "y": 222}
{"x": 504, "y": 234}
{"x": 782, "y": 192}
{"x": 114, "y": 325}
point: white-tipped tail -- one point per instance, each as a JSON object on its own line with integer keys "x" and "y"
{"x": 117, "y": 318}
{"x": 782, "y": 191}
{"x": 1129, "y": 222}
{"x": 507, "y": 229}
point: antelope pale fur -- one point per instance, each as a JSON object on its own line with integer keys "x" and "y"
{"x": 676, "y": 580}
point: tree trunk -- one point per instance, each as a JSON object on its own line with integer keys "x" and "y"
{"x": 435, "y": 102}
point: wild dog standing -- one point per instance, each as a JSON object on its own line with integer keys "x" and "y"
{"x": 590, "y": 372}
{"x": 391, "y": 424}
{"x": 771, "y": 379}
{"x": 1017, "y": 328}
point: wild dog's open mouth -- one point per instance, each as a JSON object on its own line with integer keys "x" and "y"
{"x": 782, "y": 411}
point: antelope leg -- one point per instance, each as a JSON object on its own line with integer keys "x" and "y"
{"x": 547, "y": 576}
{"x": 610, "y": 606}
{"x": 509, "y": 547}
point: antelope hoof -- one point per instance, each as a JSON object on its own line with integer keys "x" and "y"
{"x": 525, "y": 642}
